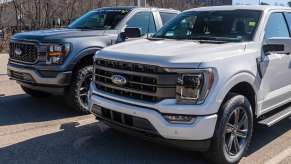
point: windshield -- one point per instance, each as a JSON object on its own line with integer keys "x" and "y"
{"x": 235, "y": 25}
{"x": 99, "y": 20}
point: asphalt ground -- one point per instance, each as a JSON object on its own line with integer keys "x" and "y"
{"x": 46, "y": 131}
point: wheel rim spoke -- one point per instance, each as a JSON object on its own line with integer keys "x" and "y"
{"x": 236, "y": 145}
{"x": 83, "y": 94}
{"x": 230, "y": 142}
{"x": 242, "y": 120}
{"x": 242, "y": 133}
{"x": 83, "y": 91}
{"x": 83, "y": 88}
{"x": 236, "y": 116}
{"x": 229, "y": 128}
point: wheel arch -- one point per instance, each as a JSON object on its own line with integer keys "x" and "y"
{"x": 244, "y": 84}
{"x": 84, "y": 58}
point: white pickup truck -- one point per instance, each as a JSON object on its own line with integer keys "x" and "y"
{"x": 202, "y": 81}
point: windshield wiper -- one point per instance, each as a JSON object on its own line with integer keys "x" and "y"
{"x": 155, "y": 38}
{"x": 86, "y": 28}
{"x": 212, "y": 41}
{"x": 215, "y": 39}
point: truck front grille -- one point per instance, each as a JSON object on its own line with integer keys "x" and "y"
{"x": 23, "y": 52}
{"x": 144, "y": 82}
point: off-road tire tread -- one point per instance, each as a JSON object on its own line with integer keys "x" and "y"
{"x": 71, "y": 95}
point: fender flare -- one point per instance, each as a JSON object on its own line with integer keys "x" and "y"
{"x": 84, "y": 53}
{"x": 240, "y": 77}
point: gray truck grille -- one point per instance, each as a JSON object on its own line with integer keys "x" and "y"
{"x": 144, "y": 82}
{"x": 23, "y": 52}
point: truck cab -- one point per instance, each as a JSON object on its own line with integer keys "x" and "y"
{"x": 59, "y": 61}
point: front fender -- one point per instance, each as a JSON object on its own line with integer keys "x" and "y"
{"x": 84, "y": 53}
{"x": 236, "y": 79}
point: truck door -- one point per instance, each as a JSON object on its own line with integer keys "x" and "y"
{"x": 276, "y": 79}
{"x": 144, "y": 20}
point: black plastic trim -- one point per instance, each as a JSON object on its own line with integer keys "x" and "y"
{"x": 192, "y": 145}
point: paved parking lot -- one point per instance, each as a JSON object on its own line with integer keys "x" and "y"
{"x": 46, "y": 131}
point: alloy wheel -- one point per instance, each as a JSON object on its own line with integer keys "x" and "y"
{"x": 84, "y": 89}
{"x": 236, "y": 132}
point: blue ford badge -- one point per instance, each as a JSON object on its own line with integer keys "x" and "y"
{"x": 118, "y": 80}
{"x": 17, "y": 51}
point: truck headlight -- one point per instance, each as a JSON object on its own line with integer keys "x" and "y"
{"x": 192, "y": 88}
{"x": 57, "y": 53}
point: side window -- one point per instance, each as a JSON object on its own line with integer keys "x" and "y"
{"x": 143, "y": 20}
{"x": 276, "y": 26}
{"x": 166, "y": 17}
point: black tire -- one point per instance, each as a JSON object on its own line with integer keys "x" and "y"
{"x": 35, "y": 93}
{"x": 235, "y": 135}
{"x": 73, "y": 95}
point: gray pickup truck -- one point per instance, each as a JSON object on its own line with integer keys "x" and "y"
{"x": 59, "y": 61}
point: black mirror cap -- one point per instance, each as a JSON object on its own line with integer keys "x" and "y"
{"x": 273, "y": 48}
{"x": 133, "y": 32}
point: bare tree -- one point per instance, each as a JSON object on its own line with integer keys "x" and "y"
{"x": 1, "y": 13}
{"x": 3, "y": 30}
{"x": 17, "y": 11}
{"x": 40, "y": 14}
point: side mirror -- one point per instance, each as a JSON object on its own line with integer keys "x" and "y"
{"x": 133, "y": 32}
{"x": 277, "y": 45}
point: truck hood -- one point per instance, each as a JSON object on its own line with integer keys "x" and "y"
{"x": 59, "y": 34}
{"x": 171, "y": 53}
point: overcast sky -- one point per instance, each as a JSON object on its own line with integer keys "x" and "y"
{"x": 273, "y": 2}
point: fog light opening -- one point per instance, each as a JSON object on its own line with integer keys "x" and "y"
{"x": 27, "y": 77}
{"x": 179, "y": 119}
{"x": 96, "y": 110}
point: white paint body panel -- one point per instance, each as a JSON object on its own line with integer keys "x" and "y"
{"x": 233, "y": 63}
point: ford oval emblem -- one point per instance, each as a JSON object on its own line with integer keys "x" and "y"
{"x": 17, "y": 51}
{"x": 118, "y": 80}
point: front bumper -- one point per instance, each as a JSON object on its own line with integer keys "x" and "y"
{"x": 33, "y": 79}
{"x": 192, "y": 145}
{"x": 201, "y": 129}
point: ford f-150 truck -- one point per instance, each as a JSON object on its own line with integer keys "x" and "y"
{"x": 59, "y": 61}
{"x": 202, "y": 81}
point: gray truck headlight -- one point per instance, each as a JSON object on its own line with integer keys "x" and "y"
{"x": 57, "y": 53}
{"x": 192, "y": 88}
